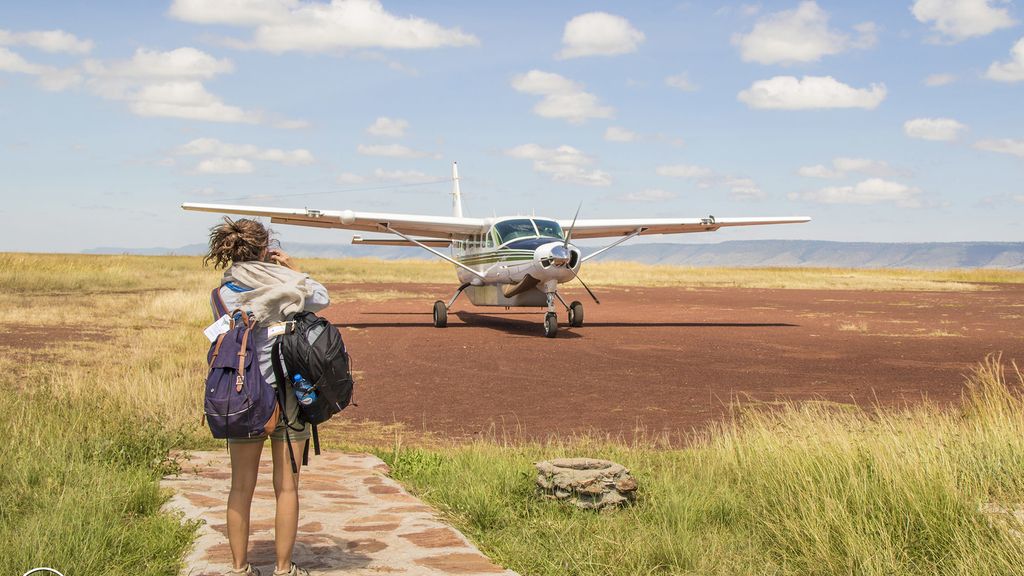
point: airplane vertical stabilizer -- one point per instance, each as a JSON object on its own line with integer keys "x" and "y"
{"x": 456, "y": 193}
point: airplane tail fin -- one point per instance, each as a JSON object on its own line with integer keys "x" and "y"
{"x": 456, "y": 193}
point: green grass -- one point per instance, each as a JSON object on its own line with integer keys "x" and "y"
{"x": 78, "y": 485}
{"x": 807, "y": 489}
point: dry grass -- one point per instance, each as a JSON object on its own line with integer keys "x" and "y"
{"x": 634, "y": 274}
{"x": 853, "y": 327}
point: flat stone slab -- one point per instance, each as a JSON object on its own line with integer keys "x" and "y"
{"x": 353, "y": 520}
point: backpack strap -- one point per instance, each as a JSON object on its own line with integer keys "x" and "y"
{"x": 217, "y": 303}
{"x": 241, "y": 359}
{"x": 280, "y": 374}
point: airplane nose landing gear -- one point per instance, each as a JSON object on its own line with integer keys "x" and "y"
{"x": 551, "y": 319}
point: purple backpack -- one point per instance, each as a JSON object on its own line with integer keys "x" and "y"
{"x": 239, "y": 402}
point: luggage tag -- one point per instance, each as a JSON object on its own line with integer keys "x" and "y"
{"x": 221, "y": 326}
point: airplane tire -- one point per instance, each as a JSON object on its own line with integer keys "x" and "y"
{"x": 440, "y": 314}
{"x": 550, "y": 325}
{"x": 576, "y": 314}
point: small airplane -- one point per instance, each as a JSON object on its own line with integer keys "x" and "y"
{"x": 509, "y": 261}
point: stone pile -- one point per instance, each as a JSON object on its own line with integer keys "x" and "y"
{"x": 590, "y": 484}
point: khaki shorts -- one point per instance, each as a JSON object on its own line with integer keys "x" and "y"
{"x": 295, "y": 434}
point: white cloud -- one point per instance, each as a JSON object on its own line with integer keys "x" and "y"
{"x": 1019, "y": 198}
{"x": 49, "y": 78}
{"x": 214, "y": 147}
{"x": 1003, "y": 146}
{"x": 842, "y": 166}
{"x": 743, "y": 188}
{"x": 790, "y": 93}
{"x": 563, "y": 164}
{"x": 681, "y": 82}
{"x": 224, "y": 166}
{"x": 562, "y": 98}
{"x": 388, "y": 127}
{"x": 1013, "y": 69}
{"x": 961, "y": 19}
{"x": 188, "y": 100}
{"x": 349, "y": 178}
{"x": 739, "y": 188}
{"x": 619, "y": 134}
{"x": 295, "y": 25}
{"x": 391, "y": 151}
{"x": 939, "y": 80}
{"x": 170, "y": 84}
{"x": 180, "y": 63}
{"x": 599, "y": 34}
{"x": 800, "y": 35}
{"x": 937, "y": 129}
{"x": 870, "y": 191}
{"x": 47, "y": 41}
{"x": 649, "y": 195}
{"x": 684, "y": 171}
{"x": 292, "y": 124}
{"x": 404, "y": 176}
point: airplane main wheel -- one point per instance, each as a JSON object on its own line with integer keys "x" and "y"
{"x": 576, "y": 314}
{"x": 550, "y": 324}
{"x": 440, "y": 314}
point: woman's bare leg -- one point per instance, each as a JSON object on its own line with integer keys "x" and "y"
{"x": 286, "y": 488}
{"x": 245, "y": 465}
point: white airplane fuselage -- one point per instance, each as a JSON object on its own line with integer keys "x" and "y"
{"x": 528, "y": 252}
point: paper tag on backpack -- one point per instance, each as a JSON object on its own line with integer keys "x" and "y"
{"x": 275, "y": 330}
{"x": 222, "y": 325}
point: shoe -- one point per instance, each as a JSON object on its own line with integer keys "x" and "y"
{"x": 249, "y": 570}
{"x": 293, "y": 571}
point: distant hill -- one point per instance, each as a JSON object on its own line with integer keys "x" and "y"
{"x": 789, "y": 253}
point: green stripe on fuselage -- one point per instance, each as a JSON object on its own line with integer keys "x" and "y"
{"x": 501, "y": 255}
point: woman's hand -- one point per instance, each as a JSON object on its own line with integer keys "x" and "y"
{"x": 280, "y": 257}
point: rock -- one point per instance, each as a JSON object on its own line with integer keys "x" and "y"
{"x": 590, "y": 484}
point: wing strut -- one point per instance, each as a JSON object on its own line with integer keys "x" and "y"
{"x": 388, "y": 227}
{"x": 614, "y": 244}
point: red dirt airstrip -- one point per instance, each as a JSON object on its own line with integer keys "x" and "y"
{"x": 661, "y": 360}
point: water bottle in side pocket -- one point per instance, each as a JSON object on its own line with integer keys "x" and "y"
{"x": 304, "y": 391}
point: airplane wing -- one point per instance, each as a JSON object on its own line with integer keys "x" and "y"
{"x": 595, "y": 228}
{"x": 409, "y": 224}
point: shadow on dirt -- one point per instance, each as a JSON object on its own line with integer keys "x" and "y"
{"x": 500, "y": 321}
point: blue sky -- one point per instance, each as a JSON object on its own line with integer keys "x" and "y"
{"x": 884, "y": 121}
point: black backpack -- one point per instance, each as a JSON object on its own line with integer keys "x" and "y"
{"x": 314, "y": 348}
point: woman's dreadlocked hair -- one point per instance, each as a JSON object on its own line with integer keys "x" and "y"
{"x": 236, "y": 241}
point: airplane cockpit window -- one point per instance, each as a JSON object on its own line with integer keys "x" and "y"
{"x": 549, "y": 229}
{"x": 512, "y": 229}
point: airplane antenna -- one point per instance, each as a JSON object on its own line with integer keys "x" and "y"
{"x": 456, "y": 193}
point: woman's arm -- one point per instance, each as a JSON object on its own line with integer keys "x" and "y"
{"x": 318, "y": 299}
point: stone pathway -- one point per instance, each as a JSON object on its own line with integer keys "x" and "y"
{"x": 354, "y": 520}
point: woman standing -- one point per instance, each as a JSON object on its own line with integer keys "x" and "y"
{"x": 262, "y": 280}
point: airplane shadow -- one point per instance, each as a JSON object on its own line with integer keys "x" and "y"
{"x": 532, "y": 326}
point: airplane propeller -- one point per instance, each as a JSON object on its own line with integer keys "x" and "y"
{"x": 565, "y": 247}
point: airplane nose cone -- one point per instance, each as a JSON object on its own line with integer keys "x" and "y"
{"x": 560, "y": 255}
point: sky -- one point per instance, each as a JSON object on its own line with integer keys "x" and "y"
{"x": 886, "y": 121}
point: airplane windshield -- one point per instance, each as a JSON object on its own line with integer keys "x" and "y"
{"x": 549, "y": 229}
{"x": 512, "y": 229}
